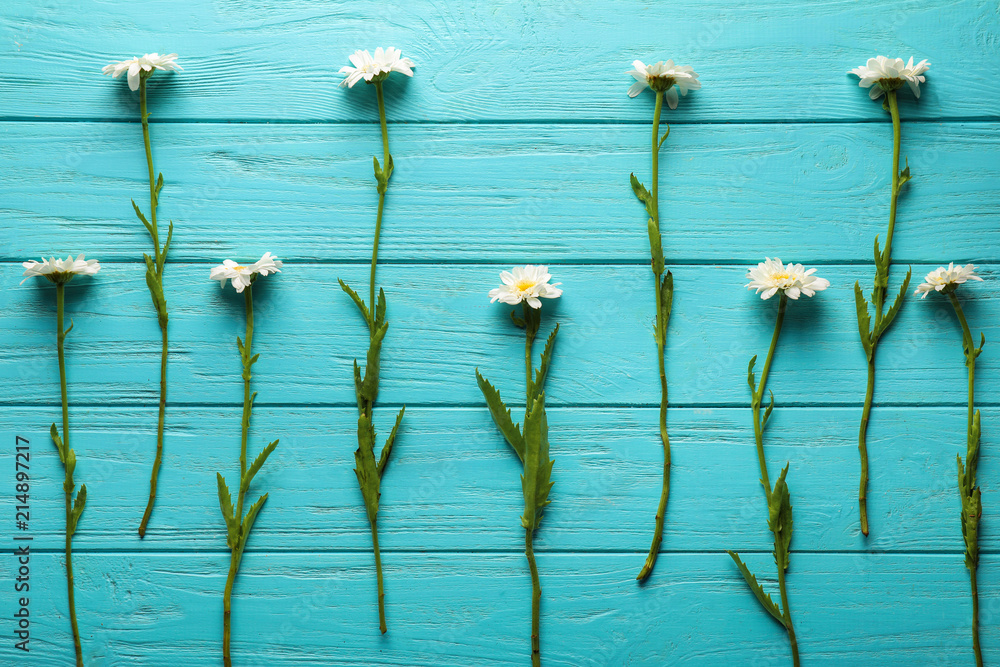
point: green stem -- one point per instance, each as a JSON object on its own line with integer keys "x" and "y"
{"x": 787, "y": 614}
{"x": 887, "y": 251}
{"x": 530, "y": 331}
{"x": 378, "y": 575}
{"x": 227, "y": 608}
{"x": 536, "y": 597}
{"x": 247, "y": 397}
{"x": 758, "y": 395}
{"x": 68, "y": 484}
{"x": 661, "y": 338}
{"x": 863, "y": 444}
{"x": 154, "y": 232}
{"x": 381, "y": 200}
{"x": 971, "y": 464}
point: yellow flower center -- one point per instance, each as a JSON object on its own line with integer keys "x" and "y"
{"x": 780, "y": 276}
{"x": 524, "y": 285}
{"x": 239, "y": 268}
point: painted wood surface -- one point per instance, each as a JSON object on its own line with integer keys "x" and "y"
{"x": 512, "y": 144}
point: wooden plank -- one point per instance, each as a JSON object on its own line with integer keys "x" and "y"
{"x": 471, "y": 608}
{"x": 544, "y": 193}
{"x": 442, "y": 327}
{"x": 453, "y": 483}
{"x": 498, "y": 59}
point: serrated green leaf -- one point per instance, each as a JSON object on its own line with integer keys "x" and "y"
{"x": 904, "y": 175}
{"x": 380, "y": 308}
{"x": 142, "y": 218}
{"x": 357, "y": 301}
{"x": 369, "y": 385}
{"x": 58, "y": 443}
{"x": 249, "y": 519}
{"x": 864, "y": 319}
{"x": 383, "y": 459}
{"x": 641, "y": 193}
{"x": 663, "y": 138}
{"x": 501, "y": 416}
{"x": 357, "y": 387}
{"x": 543, "y": 368}
{"x": 779, "y": 507}
{"x": 655, "y": 246}
{"x": 159, "y": 185}
{"x": 365, "y": 467}
{"x": 78, "y": 505}
{"x": 666, "y": 298}
{"x": 890, "y": 315}
{"x": 226, "y": 505}
{"x": 763, "y": 598}
{"x": 257, "y": 464}
{"x": 535, "y": 482}
{"x": 767, "y": 412}
{"x": 166, "y": 246}
{"x": 751, "y": 378}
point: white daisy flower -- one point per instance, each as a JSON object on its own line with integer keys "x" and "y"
{"x": 890, "y": 74}
{"x": 946, "y": 280}
{"x": 241, "y": 276}
{"x": 377, "y": 67}
{"x": 525, "y": 283}
{"x": 146, "y": 63}
{"x": 771, "y": 275}
{"x": 663, "y": 76}
{"x": 57, "y": 270}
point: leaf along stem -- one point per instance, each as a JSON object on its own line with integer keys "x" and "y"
{"x": 968, "y": 490}
{"x": 882, "y": 264}
{"x": 661, "y": 338}
{"x": 68, "y": 484}
{"x": 156, "y": 284}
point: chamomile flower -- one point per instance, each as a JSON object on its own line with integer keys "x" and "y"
{"x": 241, "y": 276}
{"x": 946, "y": 280}
{"x": 882, "y": 75}
{"x": 771, "y": 275}
{"x": 375, "y": 67}
{"x": 57, "y": 270}
{"x": 663, "y": 76}
{"x": 525, "y": 283}
{"x": 147, "y": 63}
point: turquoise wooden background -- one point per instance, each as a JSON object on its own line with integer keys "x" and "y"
{"x": 512, "y": 144}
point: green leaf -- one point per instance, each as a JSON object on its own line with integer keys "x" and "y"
{"x": 357, "y": 387}
{"x": 501, "y": 416}
{"x": 357, "y": 301}
{"x": 751, "y": 378}
{"x": 864, "y": 319}
{"x": 666, "y": 298}
{"x": 890, "y": 315}
{"x": 904, "y": 176}
{"x": 763, "y": 598}
{"x": 380, "y": 309}
{"x": 58, "y": 442}
{"x": 655, "y": 246}
{"x": 226, "y": 505}
{"x": 257, "y": 464}
{"x": 663, "y": 138}
{"x": 779, "y": 507}
{"x": 78, "y": 505}
{"x": 543, "y": 368}
{"x": 535, "y": 482}
{"x": 159, "y": 184}
{"x": 149, "y": 227}
{"x": 365, "y": 467}
{"x": 369, "y": 385}
{"x": 767, "y": 412}
{"x": 642, "y": 194}
{"x": 383, "y": 458}
{"x": 249, "y": 519}
{"x": 517, "y": 320}
{"x": 166, "y": 246}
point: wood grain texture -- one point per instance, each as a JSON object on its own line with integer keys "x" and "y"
{"x": 542, "y": 193}
{"x": 497, "y": 59}
{"x": 512, "y": 144}
{"x": 467, "y": 608}
{"x": 442, "y": 327}
{"x": 453, "y": 483}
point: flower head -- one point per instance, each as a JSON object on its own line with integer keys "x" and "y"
{"x": 771, "y": 275}
{"x": 663, "y": 76}
{"x": 525, "y": 283}
{"x": 57, "y": 270}
{"x": 890, "y": 74}
{"x": 243, "y": 276}
{"x": 375, "y": 68}
{"x": 147, "y": 63}
{"x": 946, "y": 280}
